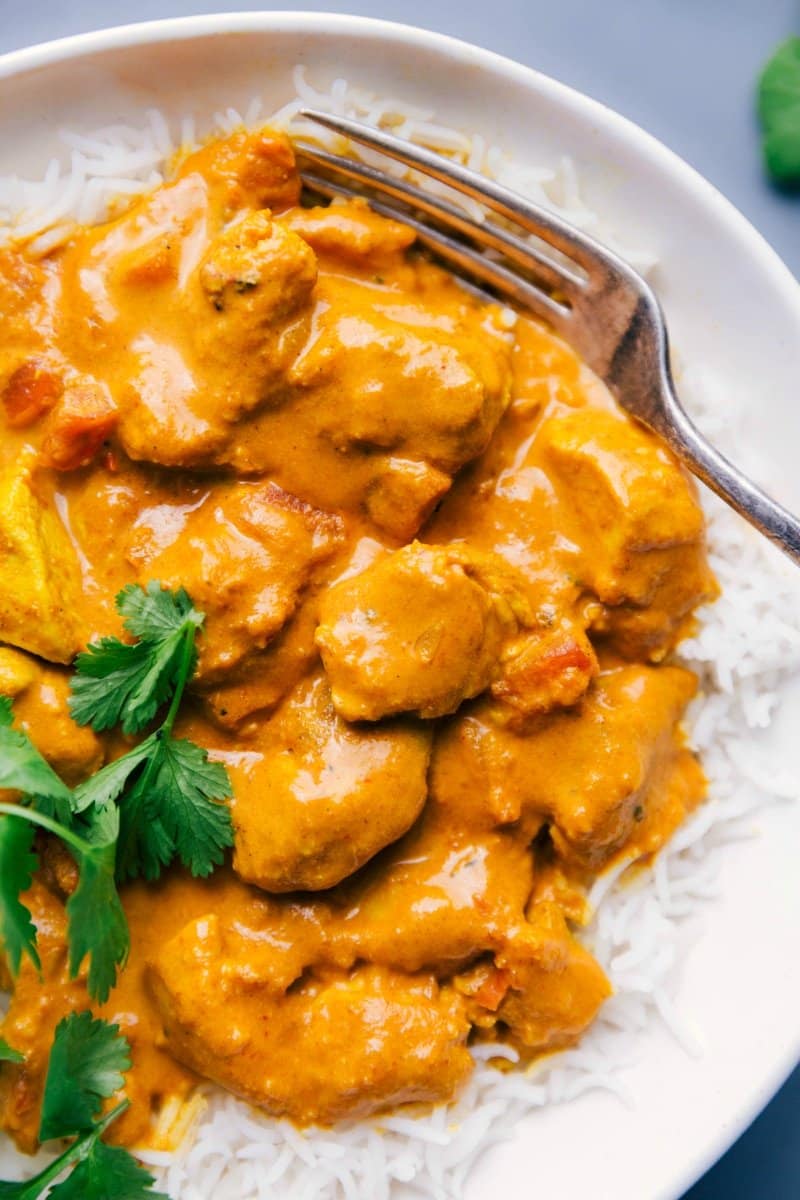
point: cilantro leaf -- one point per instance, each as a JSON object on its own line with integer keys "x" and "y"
{"x": 176, "y": 807}
{"x": 153, "y": 613}
{"x": 188, "y": 789}
{"x": 17, "y": 864}
{"x": 23, "y": 769}
{"x": 97, "y": 923}
{"x": 144, "y": 847}
{"x": 9, "y": 1054}
{"x": 122, "y": 683}
{"x": 27, "y": 1189}
{"x": 779, "y": 112}
{"x": 87, "y": 1064}
{"x": 107, "y": 1172}
{"x": 106, "y": 785}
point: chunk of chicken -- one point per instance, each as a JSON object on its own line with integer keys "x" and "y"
{"x": 38, "y": 565}
{"x": 593, "y": 771}
{"x": 316, "y": 798}
{"x": 41, "y": 709}
{"x": 349, "y": 230}
{"x": 336, "y": 1045}
{"x": 263, "y": 679}
{"x": 545, "y": 987}
{"x": 420, "y": 630}
{"x": 371, "y": 351}
{"x": 436, "y": 900}
{"x": 244, "y": 309}
{"x": 636, "y": 517}
{"x": 244, "y": 554}
{"x": 248, "y": 170}
{"x": 403, "y": 494}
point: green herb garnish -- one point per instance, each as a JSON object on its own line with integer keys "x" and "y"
{"x": 9, "y": 1054}
{"x": 159, "y": 801}
{"x": 779, "y": 112}
{"x": 119, "y": 683}
{"x": 17, "y": 864}
{"x": 87, "y": 1065}
{"x": 170, "y": 791}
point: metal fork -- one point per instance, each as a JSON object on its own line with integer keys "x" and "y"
{"x": 589, "y": 295}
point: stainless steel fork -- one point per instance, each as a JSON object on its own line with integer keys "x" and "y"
{"x": 589, "y": 295}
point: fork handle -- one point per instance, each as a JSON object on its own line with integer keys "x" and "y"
{"x": 685, "y": 440}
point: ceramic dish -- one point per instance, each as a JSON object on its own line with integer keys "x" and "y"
{"x": 734, "y": 312}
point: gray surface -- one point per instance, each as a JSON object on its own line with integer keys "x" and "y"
{"x": 685, "y": 70}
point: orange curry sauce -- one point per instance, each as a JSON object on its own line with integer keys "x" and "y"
{"x": 443, "y": 576}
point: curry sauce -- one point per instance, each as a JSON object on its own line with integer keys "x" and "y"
{"x": 443, "y": 577}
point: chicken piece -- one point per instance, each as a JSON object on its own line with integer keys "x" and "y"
{"x": 603, "y": 771}
{"x": 248, "y": 170}
{"x": 636, "y": 517}
{"x": 244, "y": 554}
{"x": 257, "y": 686}
{"x": 244, "y": 313}
{"x": 38, "y": 565}
{"x": 420, "y": 630}
{"x": 41, "y": 709}
{"x": 318, "y": 798}
{"x": 81, "y": 422}
{"x": 256, "y": 276}
{"x": 31, "y": 391}
{"x": 437, "y": 899}
{"x": 545, "y": 987}
{"x": 350, "y": 231}
{"x": 403, "y": 494}
{"x": 593, "y": 771}
{"x": 542, "y": 670}
{"x": 336, "y": 1045}
{"x": 373, "y": 348}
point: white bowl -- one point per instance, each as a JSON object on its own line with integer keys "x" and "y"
{"x": 733, "y": 308}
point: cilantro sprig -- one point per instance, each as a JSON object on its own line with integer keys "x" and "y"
{"x": 170, "y": 793}
{"x": 160, "y": 801}
{"x": 779, "y": 113}
{"x": 87, "y": 1066}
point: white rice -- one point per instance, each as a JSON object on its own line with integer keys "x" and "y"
{"x": 747, "y": 645}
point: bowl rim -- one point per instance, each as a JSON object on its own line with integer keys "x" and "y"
{"x": 646, "y": 145}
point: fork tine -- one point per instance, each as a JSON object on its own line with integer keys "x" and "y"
{"x": 578, "y": 246}
{"x": 545, "y": 269}
{"x": 508, "y": 283}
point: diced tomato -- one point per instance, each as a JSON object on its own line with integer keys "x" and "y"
{"x": 493, "y": 990}
{"x": 78, "y": 427}
{"x": 30, "y": 393}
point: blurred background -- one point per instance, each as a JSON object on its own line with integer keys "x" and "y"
{"x": 686, "y": 71}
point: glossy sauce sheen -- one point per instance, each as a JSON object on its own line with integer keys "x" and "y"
{"x": 443, "y": 577}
